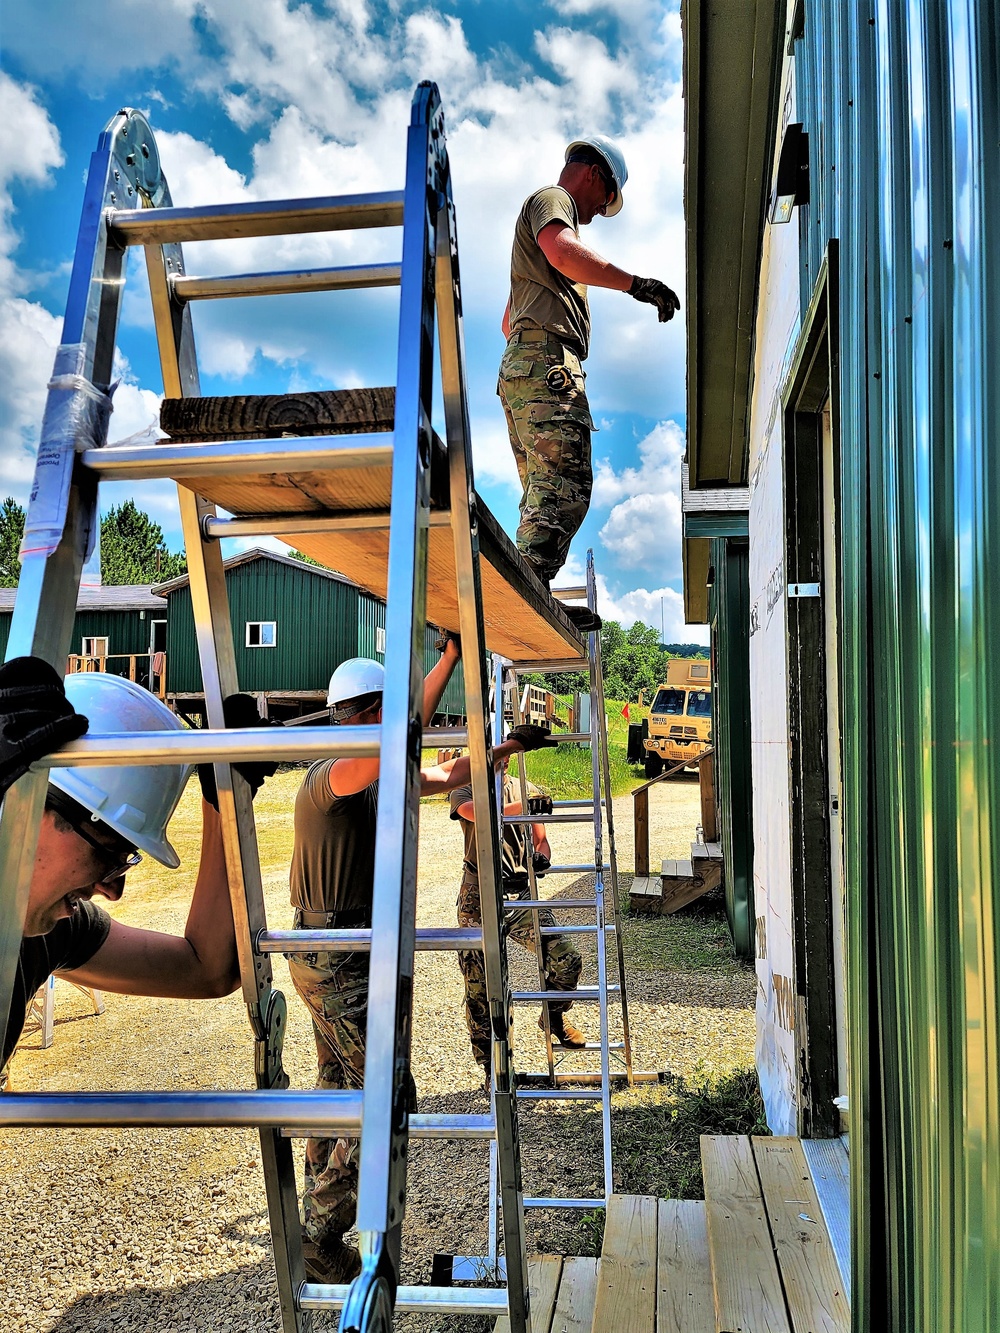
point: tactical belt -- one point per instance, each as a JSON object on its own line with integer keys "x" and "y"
{"x": 345, "y": 920}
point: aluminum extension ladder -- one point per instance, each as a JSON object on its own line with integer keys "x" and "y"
{"x": 555, "y": 1084}
{"x": 127, "y": 202}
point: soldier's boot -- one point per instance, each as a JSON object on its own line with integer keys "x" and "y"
{"x": 331, "y": 1260}
{"x": 563, "y": 1031}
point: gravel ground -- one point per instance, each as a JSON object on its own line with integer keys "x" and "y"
{"x": 167, "y": 1231}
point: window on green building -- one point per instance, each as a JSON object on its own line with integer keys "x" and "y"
{"x": 262, "y": 633}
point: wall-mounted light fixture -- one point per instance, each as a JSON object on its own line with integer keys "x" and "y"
{"x": 791, "y": 180}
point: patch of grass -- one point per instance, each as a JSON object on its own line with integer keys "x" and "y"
{"x": 657, "y": 1130}
{"x": 697, "y": 940}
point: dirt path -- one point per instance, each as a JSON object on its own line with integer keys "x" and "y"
{"x": 167, "y": 1230}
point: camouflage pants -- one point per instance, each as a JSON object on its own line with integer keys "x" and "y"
{"x": 550, "y": 436}
{"x": 562, "y": 962}
{"x": 335, "y": 990}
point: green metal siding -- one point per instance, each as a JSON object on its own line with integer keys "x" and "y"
{"x": 729, "y": 614}
{"x": 125, "y": 631}
{"x": 316, "y": 628}
{"x": 453, "y": 699}
{"x": 371, "y": 617}
{"x": 900, "y": 104}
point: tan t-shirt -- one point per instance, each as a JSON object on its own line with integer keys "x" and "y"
{"x": 540, "y": 296}
{"x": 333, "y": 858}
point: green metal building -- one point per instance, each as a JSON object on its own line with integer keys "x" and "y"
{"x": 842, "y": 537}
{"x": 293, "y": 624}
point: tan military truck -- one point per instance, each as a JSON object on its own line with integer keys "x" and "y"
{"x": 680, "y": 716}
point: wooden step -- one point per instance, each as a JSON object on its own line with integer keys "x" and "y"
{"x": 706, "y": 851}
{"x": 270, "y": 416}
{"x": 645, "y": 895}
{"x": 747, "y": 1287}
{"x": 686, "y": 881}
{"x": 814, "y": 1289}
{"x": 626, "y": 1274}
{"x": 684, "y": 1299}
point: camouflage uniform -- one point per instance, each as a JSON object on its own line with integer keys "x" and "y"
{"x": 334, "y": 987}
{"x": 550, "y": 436}
{"x": 563, "y": 963}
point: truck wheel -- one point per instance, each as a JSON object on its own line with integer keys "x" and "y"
{"x": 653, "y": 766}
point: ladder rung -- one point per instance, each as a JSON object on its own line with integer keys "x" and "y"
{"x": 352, "y": 277}
{"x": 559, "y": 1094}
{"x": 573, "y": 930}
{"x": 537, "y": 904}
{"x": 309, "y": 453}
{"x": 587, "y": 869}
{"x": 572, "y": 737}
{"x": 360, "y": 939}
{"x": 543, "y": 1079}
{"x": 568, "y": 594}
{"x": 289, "y": 525}
{"x": 570, "y": 805}
{"x": 564, "y": 1203}
{"x": 410, "y": 1300}
{"x": 422, "y": 1127}
{"x": 550, "y": 819}
{"x": 280, "y": 217}
{"x": 239, "y": 745}
{"x": 560, "y": 996}
{"x": 338, "y": 1112}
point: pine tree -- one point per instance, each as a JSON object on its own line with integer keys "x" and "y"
{"x": 133, "y": 549}
{"x": 11, "y": 532}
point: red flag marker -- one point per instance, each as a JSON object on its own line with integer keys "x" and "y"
{"x": 625, "y": 713}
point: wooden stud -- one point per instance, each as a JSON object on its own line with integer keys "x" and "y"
{"x": 748, "y": 1294}
{"x": 543, "y": 1283}
{"x": 814, "y": 1290}
{"x": 626, "y": 1274}
{"x": 640, "y": 809}
{"x": 577, "y": 1294}
{"x": 685, "y": 1302}
{"x": 706, "y": 784}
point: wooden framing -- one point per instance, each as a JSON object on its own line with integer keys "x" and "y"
{"x": 811, "y": 382}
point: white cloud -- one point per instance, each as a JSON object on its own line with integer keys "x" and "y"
{"x": 652, "y": 606}
{"x": 643, "y": 528}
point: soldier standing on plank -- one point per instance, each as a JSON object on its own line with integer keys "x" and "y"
{"x": 562, "y": 960}
{"x": 332, "y": 886}
{"x": 547, "y": 327}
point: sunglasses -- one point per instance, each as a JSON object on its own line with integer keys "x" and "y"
{"x": 78, "y": 818}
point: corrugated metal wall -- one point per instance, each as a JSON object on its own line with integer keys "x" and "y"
{"x": 729, "y": 614}
{"x": 316, "y": 628}
{"x": 453, "y": 699}
{"x": 125, "y": 631}
{"x": 901, "y": 105}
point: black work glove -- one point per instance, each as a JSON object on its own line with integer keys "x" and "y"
{"x": 530, "y": 737}
{"x": 539, "y": 805}
{"x": 239, "y": 710}
{"x": 541, "y": 863}
{"x": 655, "y": 292}
{"x": 441, "y": 642}
{"x": 35, "y": 716}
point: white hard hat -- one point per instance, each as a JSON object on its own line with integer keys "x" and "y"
{"x": 612, "y": 155}
{"x": 352, "y": 679}
{"x": 135, "y": 800}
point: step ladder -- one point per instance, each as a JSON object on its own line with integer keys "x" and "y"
{"x": 127, "y": 202}
{"x": 557, "y": 1083}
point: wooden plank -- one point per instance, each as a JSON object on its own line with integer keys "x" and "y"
{"x": 577, "y": 1294}
{"x": 626, "y": 1274}
{"x": 830, "y": 1169}
{"x": 684, "y": 1302}
{"x": 706, "y": 787}
{"x": 543, "y": 1284}
{"x": 814, "y": 1289}
{"x": 748, "y": 1294}
{"x": 269, "y": 416}
{"x": 676, "y": 869}
{"x": 684, "y": 889}
{"x": 706, "y": 851}
{"x": 645, "y": 895}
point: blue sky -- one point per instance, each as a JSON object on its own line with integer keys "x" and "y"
{"x": 256, "y": 99}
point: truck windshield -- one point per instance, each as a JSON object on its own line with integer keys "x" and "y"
{"x": 699, "y": 704}
{"x": 668, "y": 701}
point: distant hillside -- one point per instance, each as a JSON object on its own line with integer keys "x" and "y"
{"x": 687, "y": 649}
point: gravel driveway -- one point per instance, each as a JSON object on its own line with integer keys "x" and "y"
{"x": 167, "y": 1230}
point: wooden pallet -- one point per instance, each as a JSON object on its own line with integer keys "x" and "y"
{"x": 753, "y": 1257}
{"x": 521, "y": 620}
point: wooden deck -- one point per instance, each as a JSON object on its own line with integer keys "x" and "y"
{"x": 754, "y": 1257}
